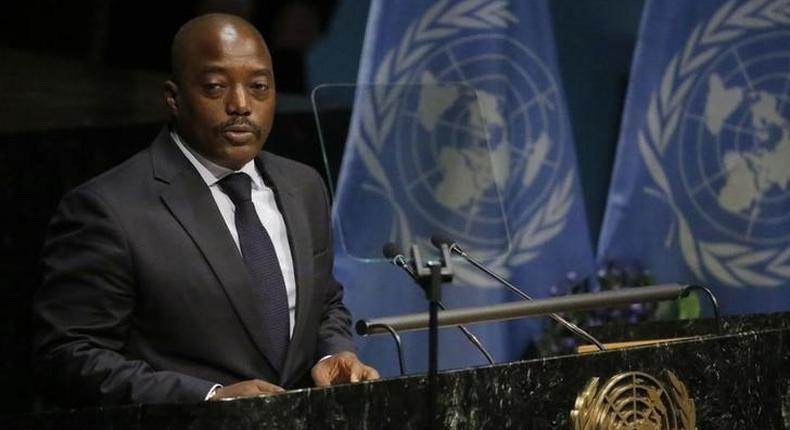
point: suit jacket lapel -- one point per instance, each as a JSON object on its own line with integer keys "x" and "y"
{"x": 297, "y": 225}
{"x": 192, "y": 204}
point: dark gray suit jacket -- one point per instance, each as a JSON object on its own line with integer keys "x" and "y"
{"x": 146, "y": 298}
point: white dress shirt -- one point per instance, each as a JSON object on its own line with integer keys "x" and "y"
{"x": 265, "y": 207}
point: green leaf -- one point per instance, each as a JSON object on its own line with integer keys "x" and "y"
{"x": 688, "y": 307}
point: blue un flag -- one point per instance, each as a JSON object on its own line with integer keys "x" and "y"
{"x": 459, "y": 127}
{"x": 700, "y": 186}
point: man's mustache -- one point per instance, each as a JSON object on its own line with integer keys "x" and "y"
{"x": 239, "y": 124}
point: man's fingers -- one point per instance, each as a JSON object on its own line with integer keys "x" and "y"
{"x": 371, "y": 374}
{"x": 340, "y": 368}
{"x": 253, "y": 387}
{"x": 322, "y": 381}
{"x": 362, "y": 372}
{"x": 357, "y": 371}
{"x": 321, "y": 374}
{"x": 267, "y": 387}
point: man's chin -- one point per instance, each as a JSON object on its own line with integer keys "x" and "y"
{"x": 238, "y": 155}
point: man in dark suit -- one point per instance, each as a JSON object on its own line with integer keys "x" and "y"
{"x": 200, "y": 268}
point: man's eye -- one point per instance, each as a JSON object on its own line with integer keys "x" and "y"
{"x": 212, "y": 87}
{"x": 262, "y": 86}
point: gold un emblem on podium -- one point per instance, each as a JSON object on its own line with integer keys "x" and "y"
{"x": 634, "y": 401}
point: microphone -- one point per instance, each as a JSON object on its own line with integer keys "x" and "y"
{"x": 438, "y": 240}
{"x": 393, "y": 253}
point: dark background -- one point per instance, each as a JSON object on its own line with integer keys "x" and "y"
{"x": 80, "y": 90}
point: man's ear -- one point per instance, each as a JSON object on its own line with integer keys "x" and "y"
{"x": 171, "y": 96}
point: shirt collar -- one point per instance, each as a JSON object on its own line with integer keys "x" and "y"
{"x": 212, "y": 172}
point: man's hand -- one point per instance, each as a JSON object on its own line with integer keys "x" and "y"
{"x": 342, "y": 367}
{"x": 253, "y": 387}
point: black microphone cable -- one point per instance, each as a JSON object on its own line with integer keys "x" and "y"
{"x": 439, "y": 240}
{"x": 393, "y": 253}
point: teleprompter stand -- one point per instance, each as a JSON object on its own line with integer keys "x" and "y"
{"x": 431, "y": 275}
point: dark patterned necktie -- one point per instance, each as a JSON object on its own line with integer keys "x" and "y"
{"x": 261, "y": 260}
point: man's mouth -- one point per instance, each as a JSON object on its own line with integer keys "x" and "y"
{"x": 239, "y": 133}
{"x": 240, "y": 128}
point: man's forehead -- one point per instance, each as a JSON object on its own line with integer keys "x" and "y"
{"x": 229, "y": 43}
{"x": 218, "y": 38}
{"x": 228, "y": 34}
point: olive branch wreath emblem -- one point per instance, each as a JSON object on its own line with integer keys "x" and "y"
{"x": 593, "y": 410}
{"x": 376, "y": 122}
{"x": 733, "y": 264}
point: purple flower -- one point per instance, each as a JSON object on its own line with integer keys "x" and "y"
{"x": 568, "y": 343}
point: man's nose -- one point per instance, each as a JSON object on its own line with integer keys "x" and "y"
{"x": 237, "y": 102}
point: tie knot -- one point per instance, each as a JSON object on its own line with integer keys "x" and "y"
{"x": 237, "y": 186}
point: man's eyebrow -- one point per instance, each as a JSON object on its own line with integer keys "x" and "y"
{"x": 212, "y": 69}
{"x": 263, "y": 72}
